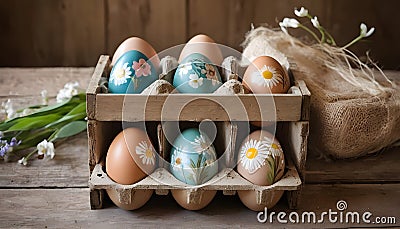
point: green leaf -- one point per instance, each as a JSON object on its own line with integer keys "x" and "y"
{"x": 28, "y": 123}
{"x": 33, "y": 138}
{"x": 59, "y": 108}
{"x": 69, "y": 130}
{"x": 67, "y": 118}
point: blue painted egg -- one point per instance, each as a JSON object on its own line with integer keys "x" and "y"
{"x": 132, "y": 73}
{"x": 196, "y": 74}
{"x": 193, "y": 157}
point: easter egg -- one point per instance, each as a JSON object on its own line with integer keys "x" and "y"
{"x": 196, "y": 74}
{"x": 132, "y": 73}
{"x": 136, "y": 43}
{"x": 204, "y": 45}
{"x": 181, "y": 197}
{"x": 262, "y": 162}
{"x": 193, "y": 157}
{"x": 261, "y": 158}
{"x": 130, "y": 158}
{"x": 265, "y": 75}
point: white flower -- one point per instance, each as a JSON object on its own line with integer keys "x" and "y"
{"x": 146, "y": 153}
{"x": 46, "y": 148}
{"x": 202, "y": 144}
{"x": 289, "y": 22}
{"x": 45, "y": 99}
{"x": 195, "y": 81}
{"x": 23, "y": 161}
{"x": 8, "y": 108}
{"x": 364, "y": 32}
{"x": 120, "y": 75}
{"x": 274, "y": 148}
{"x": 183, "y": 70}
{"x": 303, "y": 12}
{"x": 315, "y": 22}
{"x": 253, "y": 155}
{"x": 69, "y": 90}
{"x": 267, "y": 76}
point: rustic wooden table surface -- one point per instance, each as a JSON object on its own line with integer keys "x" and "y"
{"x": 55, "y": 193}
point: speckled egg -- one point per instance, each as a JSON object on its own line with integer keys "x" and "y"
{"x": 265, "y": 75}
{"x": 196, "y": 74}
{"x": 132, "y": 73}
{"x": 193, "y": 157}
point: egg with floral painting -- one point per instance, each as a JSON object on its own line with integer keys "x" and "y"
{"x": 130, "y": 157}
{"x": 265, "y": 75}
{"x": 196, "y": 74}
{"x": 136, "y": 43}
{"x": 193, "y": 157}
{"x": 261, "y": 160}
{"x": 204, "y": 45}
{"x": 132, "y": 73}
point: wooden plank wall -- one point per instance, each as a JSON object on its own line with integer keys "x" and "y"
{"x": 75, "y": 33}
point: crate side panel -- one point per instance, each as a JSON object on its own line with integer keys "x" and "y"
{"x": 186, "y": 107}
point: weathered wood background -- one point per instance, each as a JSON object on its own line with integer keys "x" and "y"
{"x": 75, "y": 32}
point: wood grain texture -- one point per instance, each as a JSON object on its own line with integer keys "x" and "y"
{"x": 75, "y": 33}
{"x": 17, "y": 82}
{"x": 227, "y": 21}
{"x": 69, "y": 168}
{"x": 45, "y": 207}
{"x": 161, "y": 23}
{"x": 51, "y": 32}
{"x": 185, "y": 107}
{"x": 378, "y": 168}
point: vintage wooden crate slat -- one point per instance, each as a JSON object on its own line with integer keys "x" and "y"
{"x": 105, "y": 113}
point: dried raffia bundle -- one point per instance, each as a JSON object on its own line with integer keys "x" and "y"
{"x": 355, "y": 109}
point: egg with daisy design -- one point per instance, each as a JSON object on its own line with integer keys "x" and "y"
{"x": 262, "y": 162}
{"x": 266, "y": 75}
{"x": 261, "y": 158}
{"x": 132, "y": 73}
{"x": 196, "y": 74}
{"x": 193, "y": 157}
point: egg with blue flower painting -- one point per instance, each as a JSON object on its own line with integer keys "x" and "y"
{"x": 132, "y": 73}
{"x": 193, "y": 157}
{"x": 196, "y": 74}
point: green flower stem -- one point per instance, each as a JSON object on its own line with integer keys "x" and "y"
{"x": 311, "y": 32}
{"x": 30, "y": 154}
{"x": 320, "y": 29}
{"x": 329, "y": 36}
{"x": 352, "y": 42}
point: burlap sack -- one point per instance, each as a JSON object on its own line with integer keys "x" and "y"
{"x": 351, "y": 114}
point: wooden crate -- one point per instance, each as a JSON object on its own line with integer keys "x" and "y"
{"x": 105, "y": 122}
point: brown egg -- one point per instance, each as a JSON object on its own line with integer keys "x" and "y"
{"x": 130, "y": 157}
{"x": 265, "y": 75}
{"x": 181, "y": 197}
{"x": 138, "y": 198}
{"x": 249, "y": 199}
{"x": 261, "y": 158}
{"x": 136, "y": 43}
{"x": 204, "y": 45}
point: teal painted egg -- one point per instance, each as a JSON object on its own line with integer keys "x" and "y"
{"x": 196, "y": 74}
{"x": 132, "y": 73}
{"x": 193, "y": 157}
